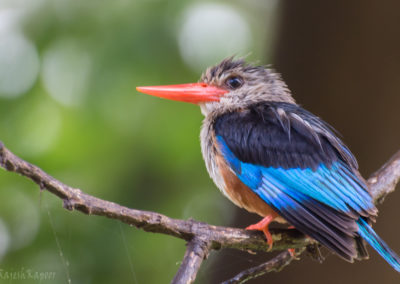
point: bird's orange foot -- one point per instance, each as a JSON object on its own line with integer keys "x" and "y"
{"x": 292, "y": 252}
{"x": 263, "y": 226}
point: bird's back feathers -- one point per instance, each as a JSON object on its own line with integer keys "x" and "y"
{"x": 281, "y": 135}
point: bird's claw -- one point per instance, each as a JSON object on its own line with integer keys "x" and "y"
{"x": 263, "y": 226}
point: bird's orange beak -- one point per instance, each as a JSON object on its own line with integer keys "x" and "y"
{"x": 191, "y": 93}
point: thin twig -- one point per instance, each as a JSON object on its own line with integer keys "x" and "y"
{"x": 276, "y": 264}
{"x": 197, "y": 250}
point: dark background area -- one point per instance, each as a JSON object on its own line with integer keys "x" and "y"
{"x": 68, "y": 72}
{"x": 342, "y": 62}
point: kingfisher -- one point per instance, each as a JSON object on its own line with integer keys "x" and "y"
{"x": 272, "y": 157}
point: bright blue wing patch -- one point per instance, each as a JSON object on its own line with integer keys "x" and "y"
{"x": 335, "y": 186}
{"x": 323, "y": 203}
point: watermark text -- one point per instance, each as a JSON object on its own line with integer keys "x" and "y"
{"x": 26, "y": 274}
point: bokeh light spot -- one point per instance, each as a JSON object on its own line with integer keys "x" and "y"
{"x": 4, "y": 239}
{"x": 23, "y": 224}
{"x": 66, "y": 70}
{"x": 19, "y": 64}
{"x": 210, "y": 32}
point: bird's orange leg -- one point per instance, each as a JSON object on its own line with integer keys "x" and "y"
{"x": 292, "y": 251}
{"x": 263, "y": 226}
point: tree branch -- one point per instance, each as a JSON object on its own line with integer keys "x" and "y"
{"x": 384, "y": 180}
{"x": 382, "y": 183}
{"x": 219, "y": 237}
{"x": 197, "y": 250}
{"x": 275, "y": 264}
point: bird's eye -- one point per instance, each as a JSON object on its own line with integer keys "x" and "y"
{"x": 234, "y": 82}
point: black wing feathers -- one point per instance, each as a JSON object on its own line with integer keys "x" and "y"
{"x": 259, "y": 135}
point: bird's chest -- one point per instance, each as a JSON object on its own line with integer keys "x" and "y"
{"x": 226, "y": 180}
{"x": 209, "y": 151}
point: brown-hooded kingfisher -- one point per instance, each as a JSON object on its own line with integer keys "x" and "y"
{"x": 270, "y": 156}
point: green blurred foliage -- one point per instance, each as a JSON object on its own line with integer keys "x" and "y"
{"x": 110, "y": 141}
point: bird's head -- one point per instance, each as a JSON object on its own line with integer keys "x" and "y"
{"x": 230, "y": 85}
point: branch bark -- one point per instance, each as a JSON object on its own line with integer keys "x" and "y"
{"x": 384, "y": 180}
{"x": 275, "y": 264}
{"x": 197, "y": 250}
{"x": 215, "y": 237}
{"x": 219, "y": 237}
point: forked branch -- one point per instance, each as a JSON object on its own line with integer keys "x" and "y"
{"x": 201, "y": 237}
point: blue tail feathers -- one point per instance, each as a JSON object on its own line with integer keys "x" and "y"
{"x": 369, "y": 235}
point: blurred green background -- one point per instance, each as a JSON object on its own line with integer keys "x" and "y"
{"x": 68, "y": 72}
